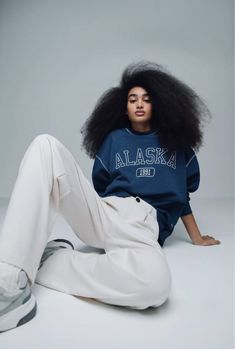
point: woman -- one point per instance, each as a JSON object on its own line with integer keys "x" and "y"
{"x": 161, "y": 111}
{"x": 141, "y": 134}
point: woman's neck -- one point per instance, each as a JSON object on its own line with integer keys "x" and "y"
{"x": 141, "y": 127}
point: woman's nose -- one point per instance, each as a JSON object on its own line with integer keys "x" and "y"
{"x": 139, "y": 103}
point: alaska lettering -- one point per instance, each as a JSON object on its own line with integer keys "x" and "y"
{"x": 148, "y": 156}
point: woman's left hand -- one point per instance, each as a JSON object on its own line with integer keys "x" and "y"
{"x": 206, "y": 240}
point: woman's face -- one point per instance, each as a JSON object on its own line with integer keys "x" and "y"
{"x": 139, "y": 108}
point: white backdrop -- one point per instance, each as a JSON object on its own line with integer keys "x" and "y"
{"x": 58, "y": 57}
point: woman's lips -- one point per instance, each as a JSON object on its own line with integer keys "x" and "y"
{"x": 139, "y": 113}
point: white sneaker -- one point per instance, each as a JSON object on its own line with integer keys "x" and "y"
{"x": 17, "y": 303}
{"x": 52, "y": 246}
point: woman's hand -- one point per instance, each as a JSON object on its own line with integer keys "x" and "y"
{"x": 206, "y": 240}
{"x": 194, "y": 233}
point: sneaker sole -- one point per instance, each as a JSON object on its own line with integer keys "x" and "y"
{"x": 60, "y": 243}
{"x": 19, "y": 316}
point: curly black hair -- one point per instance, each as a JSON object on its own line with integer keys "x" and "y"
{"x": 177, "y": 111}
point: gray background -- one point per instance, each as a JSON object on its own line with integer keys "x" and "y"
{"x": 58, "y": 57}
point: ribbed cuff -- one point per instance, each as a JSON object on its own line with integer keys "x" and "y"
{"x": 187, "y": 210}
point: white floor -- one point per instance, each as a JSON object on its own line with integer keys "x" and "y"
{"x": 198, "y": 315}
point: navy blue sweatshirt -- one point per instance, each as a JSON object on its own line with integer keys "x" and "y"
{"x": 131, "y": 163}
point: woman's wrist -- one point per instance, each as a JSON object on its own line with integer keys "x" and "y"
{"x": 197, "y": 240}
{"x": 192, "y": 228}
{"x": 195, "y": 237}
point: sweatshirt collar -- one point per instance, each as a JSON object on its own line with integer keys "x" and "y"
{"x": 139, "y": 133}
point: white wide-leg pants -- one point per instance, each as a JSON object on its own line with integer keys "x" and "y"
{"x": 132, "y": 272}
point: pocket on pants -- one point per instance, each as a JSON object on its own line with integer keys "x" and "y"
{"x": 137, "y": 213}
{"x": 63, "y": 185}
{"x": 152, "y": 223}
{"x": 60, "y": 189}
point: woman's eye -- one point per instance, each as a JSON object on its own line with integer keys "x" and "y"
{"x": 148, "y": 100}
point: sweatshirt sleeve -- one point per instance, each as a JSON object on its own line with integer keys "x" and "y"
{"x": 101, "y": 175}
{"x": 193, "y": 178}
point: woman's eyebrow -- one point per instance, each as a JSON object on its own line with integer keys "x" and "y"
{"x": 135, "y": 94}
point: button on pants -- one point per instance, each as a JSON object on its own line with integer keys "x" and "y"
{"x": 133, "y": 271}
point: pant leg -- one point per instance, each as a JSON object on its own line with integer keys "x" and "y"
{"x": 132, "y": 272}
{"x": 134, "y": 278}
{"x": 49, "y": 180}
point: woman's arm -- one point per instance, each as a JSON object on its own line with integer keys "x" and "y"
{"x": 101, "y": 176}
{"x": 193, "y": 180}
{"x": 194, "y": 233}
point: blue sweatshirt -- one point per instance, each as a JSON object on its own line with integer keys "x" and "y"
{"x": 131, "y": 163}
